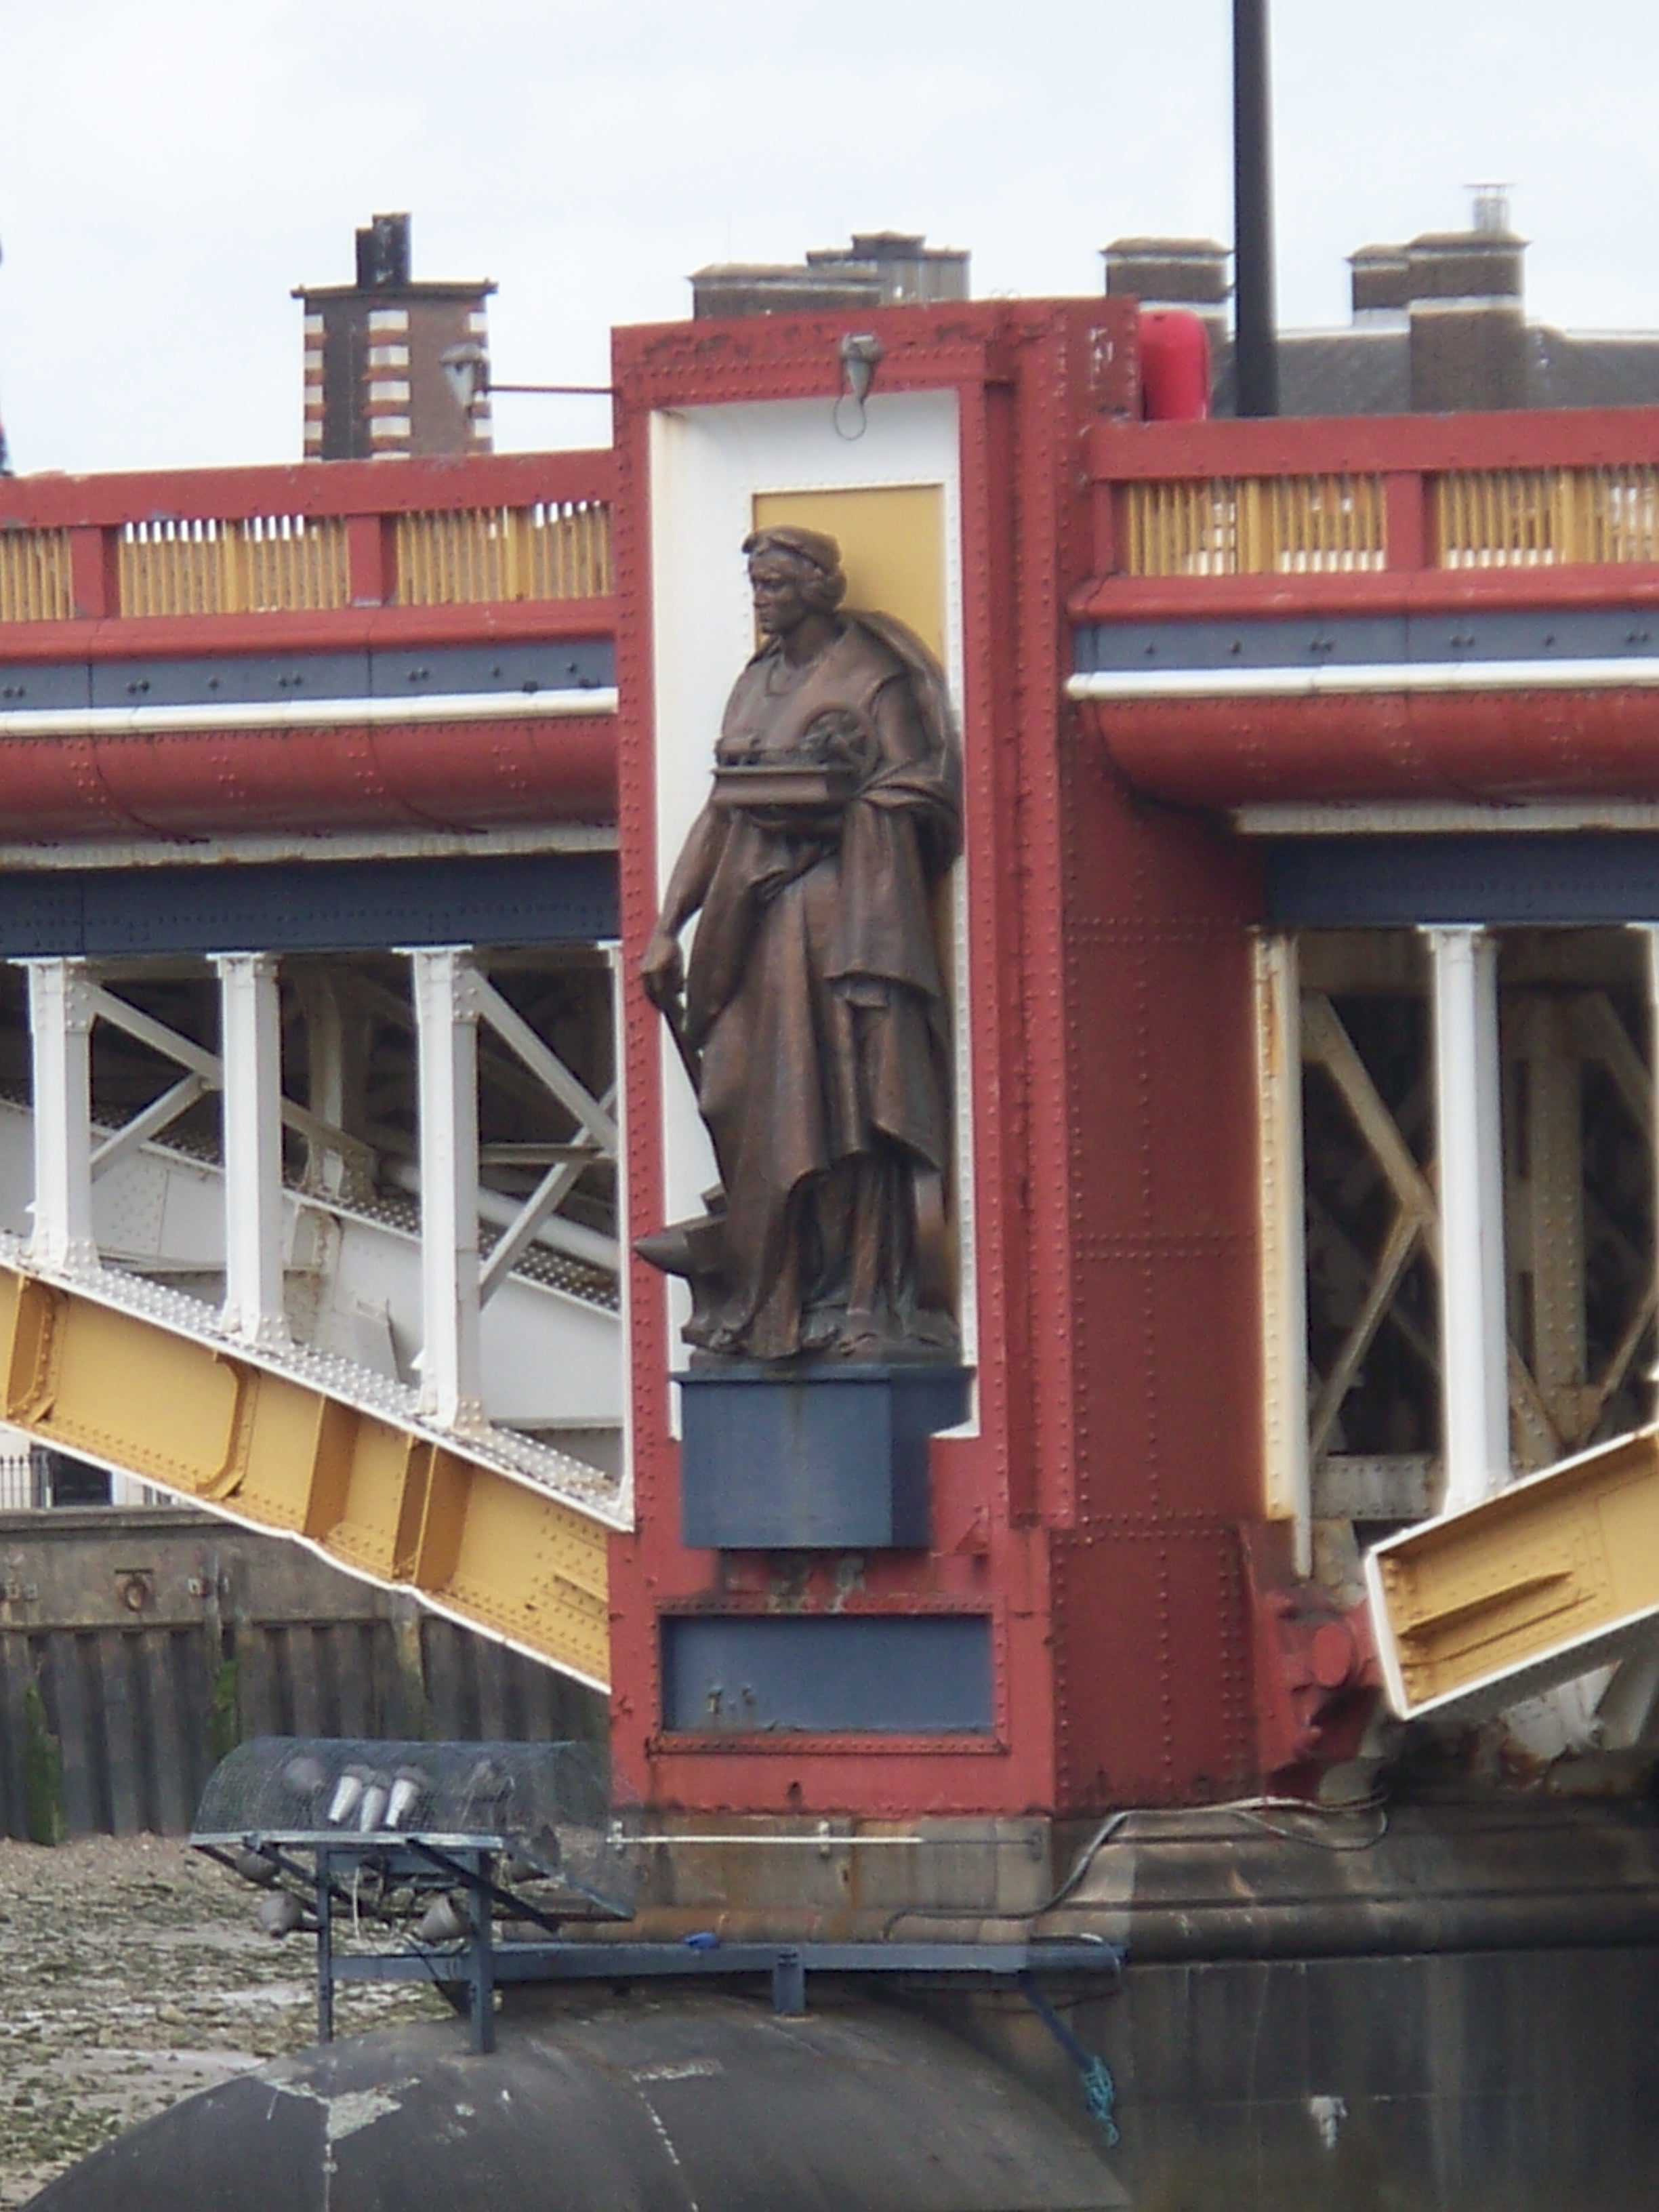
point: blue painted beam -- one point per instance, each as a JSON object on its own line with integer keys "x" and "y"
{"x": 313, "y": 906}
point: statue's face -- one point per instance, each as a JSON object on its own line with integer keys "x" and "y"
{"x": 781, "y": 602}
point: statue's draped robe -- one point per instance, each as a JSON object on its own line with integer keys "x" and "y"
{"x": 814, "y": 993}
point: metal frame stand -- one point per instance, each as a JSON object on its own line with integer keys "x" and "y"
{"x": 324, "y": 1949}
{"x": 481, "y": 1966}
{"x": 480, "y": 1956}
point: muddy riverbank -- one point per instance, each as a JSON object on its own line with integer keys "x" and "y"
{"x": 131, "y": 1973}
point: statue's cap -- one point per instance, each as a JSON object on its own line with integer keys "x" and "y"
{"x": 813, "y": 545}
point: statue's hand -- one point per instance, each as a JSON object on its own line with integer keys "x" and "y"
{"x": 662, "y": 972}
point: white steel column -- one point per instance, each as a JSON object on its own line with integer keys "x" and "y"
{"x": 61, "y": 1015}
{"x": 252, "y": 1050}
{"x": 1650, "y": 937}
{"x": 446, "y": 1028}
{"x": 1284, "y": 1241}
{"x": 1474, "y": 1330}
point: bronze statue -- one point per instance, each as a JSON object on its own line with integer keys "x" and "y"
{"x": 812, "y": 1016}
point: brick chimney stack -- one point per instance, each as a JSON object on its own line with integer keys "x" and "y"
{"x": 1468, "y": 332}
{"x": 879, "y": 269}
{"x": 375, "y": 385}
{"x": 1458, "y": 294}
{"x": 1175, "y": 272}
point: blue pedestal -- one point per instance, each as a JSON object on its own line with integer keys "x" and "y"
{"x": 815, "y": 1459}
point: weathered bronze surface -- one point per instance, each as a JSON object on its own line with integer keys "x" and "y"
{"x": 812, "y": 1017}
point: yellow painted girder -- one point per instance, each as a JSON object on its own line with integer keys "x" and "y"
{"x": 1533, "y": 1585}
{"x": 385, "y": 1501}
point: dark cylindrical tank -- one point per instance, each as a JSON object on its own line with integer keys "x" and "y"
{"x": 698, "y": 2103}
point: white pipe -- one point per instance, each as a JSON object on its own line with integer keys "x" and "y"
{"x": 303, "y": 713}
{"x": 1335, "y": 680}
{"x": 1421, "y": 817}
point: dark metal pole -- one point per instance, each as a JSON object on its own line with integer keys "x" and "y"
{"x": 481, "y": 1957}
{"x": 1255, "y": 347}
{"x": 324, "y": 1949}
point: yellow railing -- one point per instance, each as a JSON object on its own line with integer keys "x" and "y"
{"x": 34, "y": 576}
{"x": 1255, "y": 526}
{"x": 1546, "y": 517}
{"x": 553, "y": 550}
{"x": 262, "y": 564}
{"x": 1332, "y": 523}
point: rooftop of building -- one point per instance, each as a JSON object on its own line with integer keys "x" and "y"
{"x": 385, "y": 267}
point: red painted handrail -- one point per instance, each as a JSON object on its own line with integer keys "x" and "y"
{"x": 341, "y": 488}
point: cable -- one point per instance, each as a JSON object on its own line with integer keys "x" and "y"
{"x": 1250, "y": 1808}
{"x": 1099, "y": 2090}
{"x": 1321, "y": 1843}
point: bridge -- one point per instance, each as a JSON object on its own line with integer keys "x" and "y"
{"x": 309, "y": 1158}
{"x": 1413, "y": 663}
{"x": 1302, "y": 966}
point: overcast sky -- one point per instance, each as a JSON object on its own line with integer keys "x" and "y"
{"x": 168, "y": 171}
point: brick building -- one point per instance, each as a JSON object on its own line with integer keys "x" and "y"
{"x": 374, "y": 384}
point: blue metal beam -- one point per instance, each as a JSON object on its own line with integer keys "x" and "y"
{"x": 313, "y": 906}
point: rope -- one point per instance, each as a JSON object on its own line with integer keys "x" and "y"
{"x": 1095, "y": 2076}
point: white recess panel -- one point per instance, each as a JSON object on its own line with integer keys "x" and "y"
{"x": 708, "y": 464}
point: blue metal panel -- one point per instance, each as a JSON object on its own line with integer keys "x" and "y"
{"x": 829, "y": 1459}
{"x": 1522, "y": 879}
{"x": 1348, "y": 641}
{"x": 849, "y": 1673}
{"x": 541, "y": 665}
{"x": 318, "y": 906}
{"x": 40, "y": 914}
{"x": 234, "y": 679}
{"x": 24, "y": 685}
{"x": 1545, "y": 634}
{"x": 243, "y": 679}
{"x": 1370, "y": 641}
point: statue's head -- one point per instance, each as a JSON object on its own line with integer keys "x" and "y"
{"x": 793, "y": 573}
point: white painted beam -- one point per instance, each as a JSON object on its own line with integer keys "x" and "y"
{"x": 574, "y": 1239}
{"x": 62, "y": 1009}
{"x": 531, "y": 1218}
{"x": 545, "y": 1064}
{"x": 1474, "y": 1329}
{"x": 250, "y": 1029}
{"x": 446, "y": 1033}
{"x": 1284, "y": 1242}
{"x": 171, "y": 1045}
{"x": 149, "y": 1121}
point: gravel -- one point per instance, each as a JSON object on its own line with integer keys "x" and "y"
{"x": 132, "y": 1974}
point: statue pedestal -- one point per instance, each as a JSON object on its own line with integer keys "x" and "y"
{"x": 814, "y": 1458}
